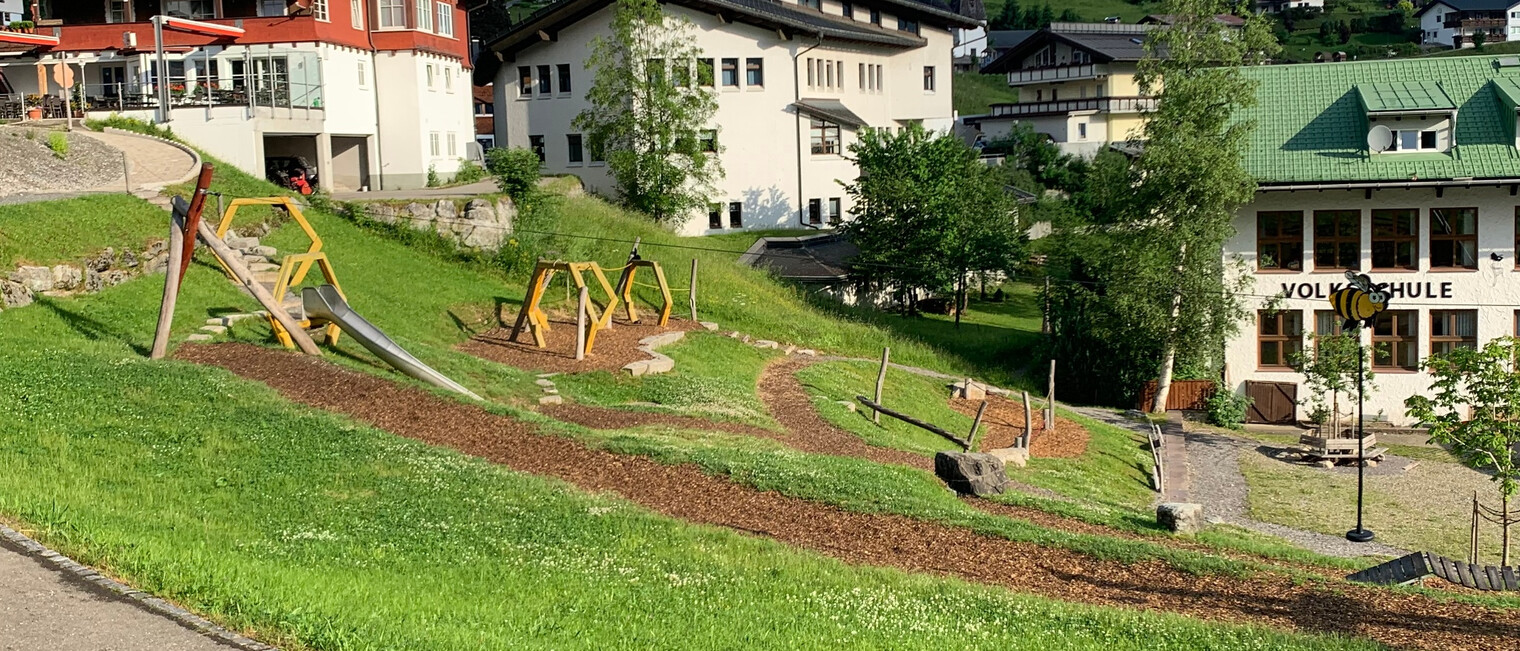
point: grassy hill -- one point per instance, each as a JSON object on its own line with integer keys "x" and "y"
{"x": 973, "y": 92}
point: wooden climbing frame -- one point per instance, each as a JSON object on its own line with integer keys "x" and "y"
{"x": 626, "y": 282}
{"x": 290, "y": 206}
{"x": 538, "y": 284}
{"x": 293, "y": 270}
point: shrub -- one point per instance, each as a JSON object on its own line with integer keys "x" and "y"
{"x": 515, "y": 169}
{"x": 59, "y": 143}
{"x": 432, "y": 177}
{"x": 469, "y": 172}
{"x": 129, "y": 124}
{"x": 1228, "y": 409}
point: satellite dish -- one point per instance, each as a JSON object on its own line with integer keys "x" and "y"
{"x": 1380, "y": 138}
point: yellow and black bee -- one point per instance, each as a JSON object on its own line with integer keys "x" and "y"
{"x": 1360, "y": 301}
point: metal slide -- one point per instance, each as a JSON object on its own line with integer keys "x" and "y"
{"x": 325, "y": 303}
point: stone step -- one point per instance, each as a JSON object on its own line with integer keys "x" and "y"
{"x": 263, "y": 266}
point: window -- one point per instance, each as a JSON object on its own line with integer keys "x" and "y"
{"x": 319, "y": 10}
{"x": 825, "y": 137}
{"x": 453, "y": 145}
{"x": 524, "y": 81}
{"x": 424, "y": 16}
{"x": 847, "y": 10}
{"x": 735, "y": 215}
{"x": 731, "y": 73}
{"x": 875, "y": 16}
{"x": 392, "y": 14}
{"x": 445, "y": 22}
{"x": 816, "y": 4}
{"x": 1427, "y": 140}
{"x": 1517, "y": 236}
{"x": 1452, "y": 329}
{"x": 709, "y": 140}
{"x": 879, "y": 83}
{"x": 1279, "y": 335}
{"x": 828, "y": 74}
{"x": 544, "y": 81}
{"x": 1454, "y": 238}
{"x": 834, "y": 215}
{"x": 1411, "y": 140}
{"x": 363, "y": 75}
{"x": 356, "y": 13}
{"x": 433, "y": 146}
{"x": 705, "y": 72}
{"x": 929, "y": 80}
{"x": 594, "y": 150}
{"x": 1395, "y": 337}
{"x": 1081, "y": 131}
{"x": 116, "y": 12}
{"x": 573, "y": 148}
{"x": 815, "y": 211}
{"x": 905, "y": 25}
{"x": 754, "y": 71}
{"x": 430, "y": 83}
{"x": 860, "y": 73}
{"x": 536, "y": 143}
{"x": 564, "y": 77}
{"x": 1396, "y": 239}
{"x": 1327, "y": 323}
{"x": 448, "y": 79}
{"x": 1337, "y": 239}
{"x": 1280, "y": 239}
{"x": 715, "y": 215}
{"x": 192, "y": 9}
{"x": 812, "y": 69}
{"x": 654, "y": 71}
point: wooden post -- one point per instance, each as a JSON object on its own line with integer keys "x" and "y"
{"x": 1045, "y": 316}
{"x": 1050, "y": 399}
{"x": 193, "y": 217}
{"x": 881, "y": 381}
{"x": 171, "y": 282}
{"x": 234, "y": 262}
{"x": 126, "y": 172}
{"x": 692, "y": 292}
{"x": 975, "y": 424}
{"x": 1028, "y": 421}
{"x": 1472, "y": 543}
{"x": 580, "y": 326}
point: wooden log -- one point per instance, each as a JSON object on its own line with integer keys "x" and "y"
{"x": 1050, "y": 399}
{"x": 881, "y": 381}
{"x": 580, "y": 326}
{"x": 976, "y": 423}
{"x": 193, "y": 217}
{"x": 692, "y": 291}
{"x": 965, "y": 445}
{"x": 234, "y": 262}
{"x": 171, "y": 280}
{"x": 1028, "y": 422}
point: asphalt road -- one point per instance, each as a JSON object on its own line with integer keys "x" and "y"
{"x": 42, "y": 609}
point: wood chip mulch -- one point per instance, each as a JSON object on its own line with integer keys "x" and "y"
{"x": 1004, "y": 421}
{"x": 792, "y": 407}
{"x": 612, "y": 418}
{"x": 614, "y": 347}
{"x": 684, "y": 492}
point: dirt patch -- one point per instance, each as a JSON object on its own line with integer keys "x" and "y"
{"x": 791, "y": 406}
{"x": 610, "y": 418}
{"x": 686, "y": 493}
{"x": 615, "y": 347}
{"x": 1004, "y": 422}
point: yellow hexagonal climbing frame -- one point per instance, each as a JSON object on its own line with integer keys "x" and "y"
{"x": 290, "y": 207}
{"x": 534, "y": 316}
{"x": 626, "y": 282}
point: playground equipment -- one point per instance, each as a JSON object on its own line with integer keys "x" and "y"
{"x": 293, "y": 268}
{"x": 534, "y": 316}
{"x": 326, "y": 303}
{"x": 628, "y": 279}
{"x": 1416, "y": 566}
{"x": 1328, "y": 445}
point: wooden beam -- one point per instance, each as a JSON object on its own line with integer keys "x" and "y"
{"x": 965, "y": 445}
{"x": 234, "y": 262}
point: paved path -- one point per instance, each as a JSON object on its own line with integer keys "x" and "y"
{"x": 153, "y": 164}
{"x": 487, "y": 186}
{"x": 42, "y": 608}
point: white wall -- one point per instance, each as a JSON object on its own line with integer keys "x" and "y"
{"x": 759, "y": 133}
{"x": 411, "y": 112}
{"x": 1493, "y": 289}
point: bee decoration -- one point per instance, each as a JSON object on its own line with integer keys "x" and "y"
{"x": 1360, "y": 301}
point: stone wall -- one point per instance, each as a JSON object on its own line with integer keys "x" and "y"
{"x": 475, "y": 223}
{"x": 107, "y": 268}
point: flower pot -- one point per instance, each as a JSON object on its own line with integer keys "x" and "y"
{"x": 34, "y": 113}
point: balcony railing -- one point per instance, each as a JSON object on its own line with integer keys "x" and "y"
{"x": 1058, "y": 73}
{"x": 251, "y": 91}
{"x": 12, "y": 106}
{"x": 1476, "y": 23}
{"x": 1105, "y": 104}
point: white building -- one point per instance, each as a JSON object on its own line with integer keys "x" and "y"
{"x": 374, "y": 93}
{"x": 12, "y": 11}
{"x": 795, "y": 83}
{"x": 1434, "y": 215}
{"x": 1278, "y": 6}
{"x": 1454, "y": 23}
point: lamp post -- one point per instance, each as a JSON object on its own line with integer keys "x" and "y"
{"x": 1359, "y": 303}
{"x": 1360, "y": 534}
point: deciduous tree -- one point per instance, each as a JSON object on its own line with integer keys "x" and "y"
{"x": 648, "y": 111}
{"x": 1330, "y": 367}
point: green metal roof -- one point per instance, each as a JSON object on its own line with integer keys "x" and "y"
{"x": 1403, "y": 96}
{"x": 1311, "y": 124}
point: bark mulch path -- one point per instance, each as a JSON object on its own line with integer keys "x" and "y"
{"x": 1004, "y": 422}
{"x": 684, "y": 492}
{"x": 612, "y": 418}
{"x": 791, "y": 406}
{"x": 615, "y": 347}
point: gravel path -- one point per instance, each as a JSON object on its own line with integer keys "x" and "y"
{"x": 28, "y": 165}
{"x": 154, "y": 164}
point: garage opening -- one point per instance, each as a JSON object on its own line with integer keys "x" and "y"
{"x": 291, "y": 162}
{"x": 350, "y": 164}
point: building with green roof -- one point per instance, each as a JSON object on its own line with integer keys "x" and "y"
{"x": 1406, "y": 170}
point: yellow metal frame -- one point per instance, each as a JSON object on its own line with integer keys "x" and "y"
{"x": 538, "y": 284}
{"x": 293, "y": 270}
{"x": 626, "y": 282}
{"x": 291, "y": 207}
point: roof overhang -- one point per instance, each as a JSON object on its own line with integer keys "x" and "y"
{"x": 832, "y": 110}
{"x": 1497, "y": 182}
{"x": 26, "y": 40}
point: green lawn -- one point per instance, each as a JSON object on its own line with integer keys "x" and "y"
{"x": 1091, "y": 11}
{"x": 972, "y": 92}
{"x": 52, "y": 232}
{"x": 922, "y": 397}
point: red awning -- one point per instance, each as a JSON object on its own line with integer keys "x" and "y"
{"x": 200, "y": 27}
{"x": 34, "y": 40}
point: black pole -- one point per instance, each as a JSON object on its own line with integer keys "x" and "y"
{"x": 1360, "y": 534}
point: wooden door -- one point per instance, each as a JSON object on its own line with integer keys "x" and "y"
{"x": 1272, "y": 402}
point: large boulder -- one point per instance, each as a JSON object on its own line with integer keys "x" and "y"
{"x": 67, "y": 277}
{"x": 420, "y": 215}
{"x": 92, "y": 281}
{"x": 14, "y": 294}
{"x": 445, "y": 209}
{"x": 37, "y": 279}
{"x": 1180, "y": 517}
{"x": 971, "y": 473}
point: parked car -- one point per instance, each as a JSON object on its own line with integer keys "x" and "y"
{"x": 292, "y": 172}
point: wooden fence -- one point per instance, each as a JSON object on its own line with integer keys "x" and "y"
{"x": 1187, "y": 395}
